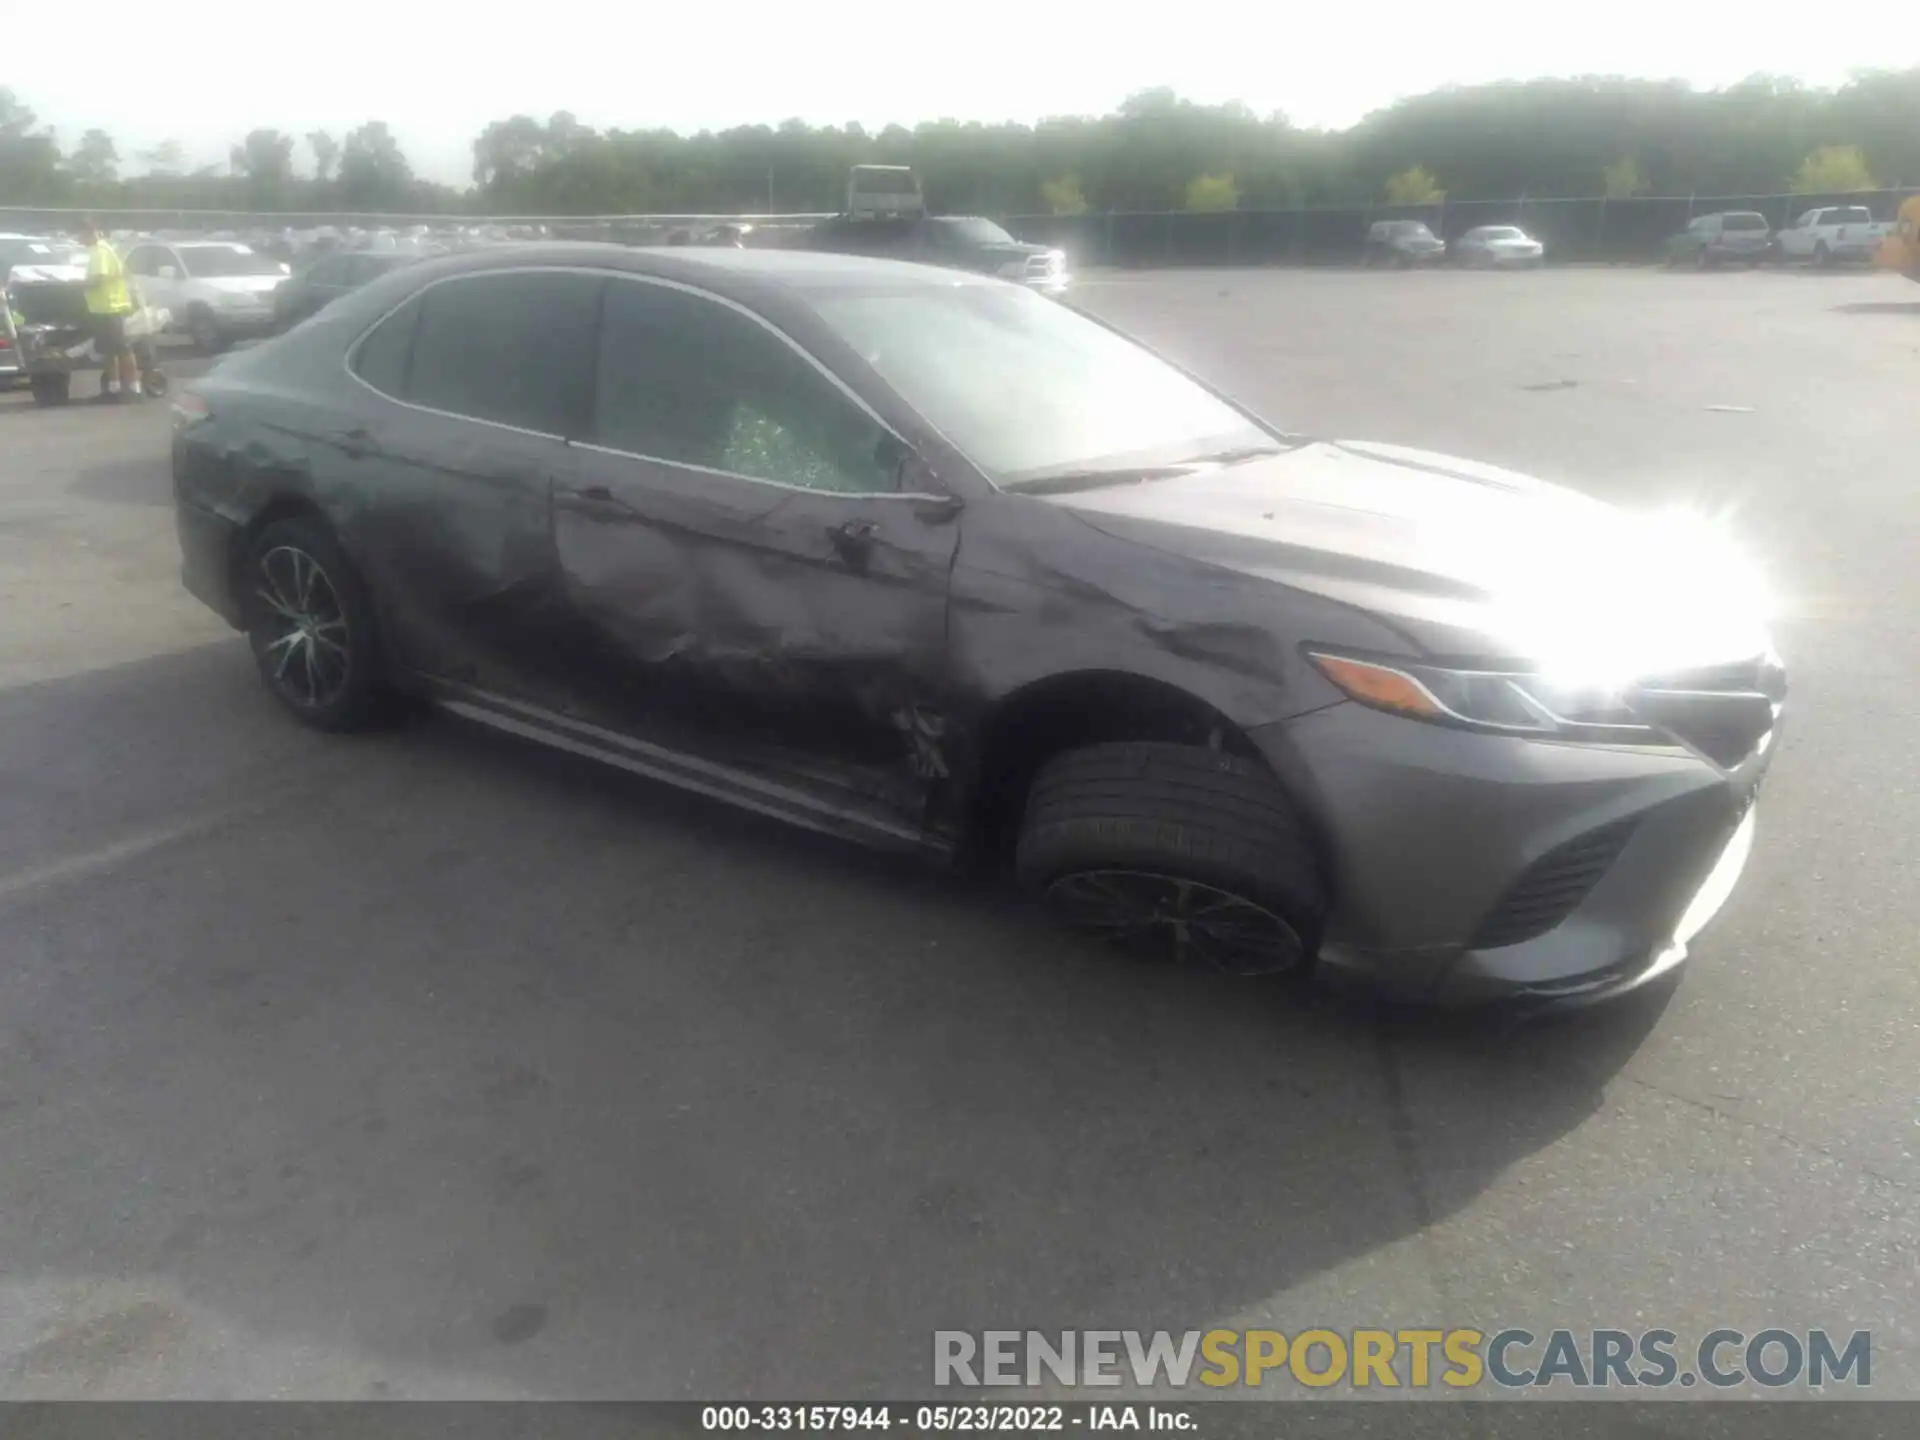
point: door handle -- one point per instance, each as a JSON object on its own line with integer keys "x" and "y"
{"x": 596, "y": 501}
{"x": 853, "y": 539}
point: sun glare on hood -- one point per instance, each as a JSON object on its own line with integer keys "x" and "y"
{"x": 1601, "y": 597}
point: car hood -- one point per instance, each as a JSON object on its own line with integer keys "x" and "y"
{"x": 63, "y": 274}
{"x": 1464, "y": 559}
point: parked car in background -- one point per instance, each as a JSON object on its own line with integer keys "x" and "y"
{"x": 35, "y": 250}
{"x": 218, "y": 291}
{"x": 928, "y": 560}
{"x": 1497, "y": 247}
{"x": 957, "y": 242}
{"x": 1739, "y": 237}
{"x": 886, "y": 218}
{"x": 29, "y": 266}
{"x": 1400, "y": 243}
{"x": 328, "y": 278}
{"x": 1832, "y": 235}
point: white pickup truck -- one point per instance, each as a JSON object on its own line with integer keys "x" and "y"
{"x": 1831, "y": 234}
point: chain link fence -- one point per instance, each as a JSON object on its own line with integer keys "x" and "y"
{"x": 1591, "y": 229}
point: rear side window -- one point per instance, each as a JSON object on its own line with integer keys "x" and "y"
{"x": 507, "y": 348}
{"x": 1850, "y": 215}
{"x": 1744, "y": 222}
{"x": 381, "y": 359}
{"x": 684, "y": 378}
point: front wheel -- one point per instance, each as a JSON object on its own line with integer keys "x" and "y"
{"x": 205, "y": 332}
{"x": 1176, "y": 850}
{"x": 311, "y": 624}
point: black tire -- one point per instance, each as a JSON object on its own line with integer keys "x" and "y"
{"x": 1175, "y": 832}
{"x": 51, "y": 389}
{"x": 205, "y": 331}
{"x": 310, "y": 621}
{"x": 155, "y": 383}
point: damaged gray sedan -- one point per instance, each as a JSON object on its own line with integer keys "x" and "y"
{"x": 927, "y": 560}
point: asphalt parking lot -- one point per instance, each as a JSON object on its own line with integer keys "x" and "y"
{"x": 425, "y": 1065}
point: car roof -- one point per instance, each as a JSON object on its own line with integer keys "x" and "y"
{"x": 724, "y": 271}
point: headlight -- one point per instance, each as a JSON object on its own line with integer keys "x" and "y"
{"x": 1517, "y": 703}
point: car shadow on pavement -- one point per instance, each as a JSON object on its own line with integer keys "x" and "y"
{"x": 1879, "y": 307}
{"x": 456, "y": 1057}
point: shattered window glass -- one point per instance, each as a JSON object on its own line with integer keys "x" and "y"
{"x": 761, "y": 446}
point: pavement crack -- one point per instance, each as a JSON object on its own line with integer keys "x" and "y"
{"x": 1694, "y": 1102}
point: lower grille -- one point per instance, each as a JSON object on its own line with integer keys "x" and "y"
{"x": 1553, "y": 886}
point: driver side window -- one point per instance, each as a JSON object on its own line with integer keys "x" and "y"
{"x": 687, "y": 379}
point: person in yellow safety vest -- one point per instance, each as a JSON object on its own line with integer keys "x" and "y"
{"x": 109, "y": 303}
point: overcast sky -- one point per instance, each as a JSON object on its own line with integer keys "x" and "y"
{"x": 438, "y": 72}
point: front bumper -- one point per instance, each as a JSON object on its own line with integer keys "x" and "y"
{"x": 244, "y": 323}
{"x": 1469, "y": 867}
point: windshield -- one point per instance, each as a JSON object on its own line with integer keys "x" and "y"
{"x": 1027, "y": 388}
{"x": 972, "y": 231}
{"x": 1413, "y": 229}
{"x": 1744, "y": 222}
{"x": 210, "y": 261}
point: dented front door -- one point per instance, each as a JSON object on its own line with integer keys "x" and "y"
{"x": 745, "y": 573}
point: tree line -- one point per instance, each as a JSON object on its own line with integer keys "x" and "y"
{"x": 1156, "y": 152}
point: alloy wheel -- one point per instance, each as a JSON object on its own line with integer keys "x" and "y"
{"x": 1196, "y": 922}
{"x": 305, "y": 645}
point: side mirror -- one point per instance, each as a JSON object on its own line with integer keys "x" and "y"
{"x": 168, "y": 272}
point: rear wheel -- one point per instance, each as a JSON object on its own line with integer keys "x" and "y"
{"x": 1174, "y": 850}
{"x": 51, "y": 389}
{"x": 311, "y": 624}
